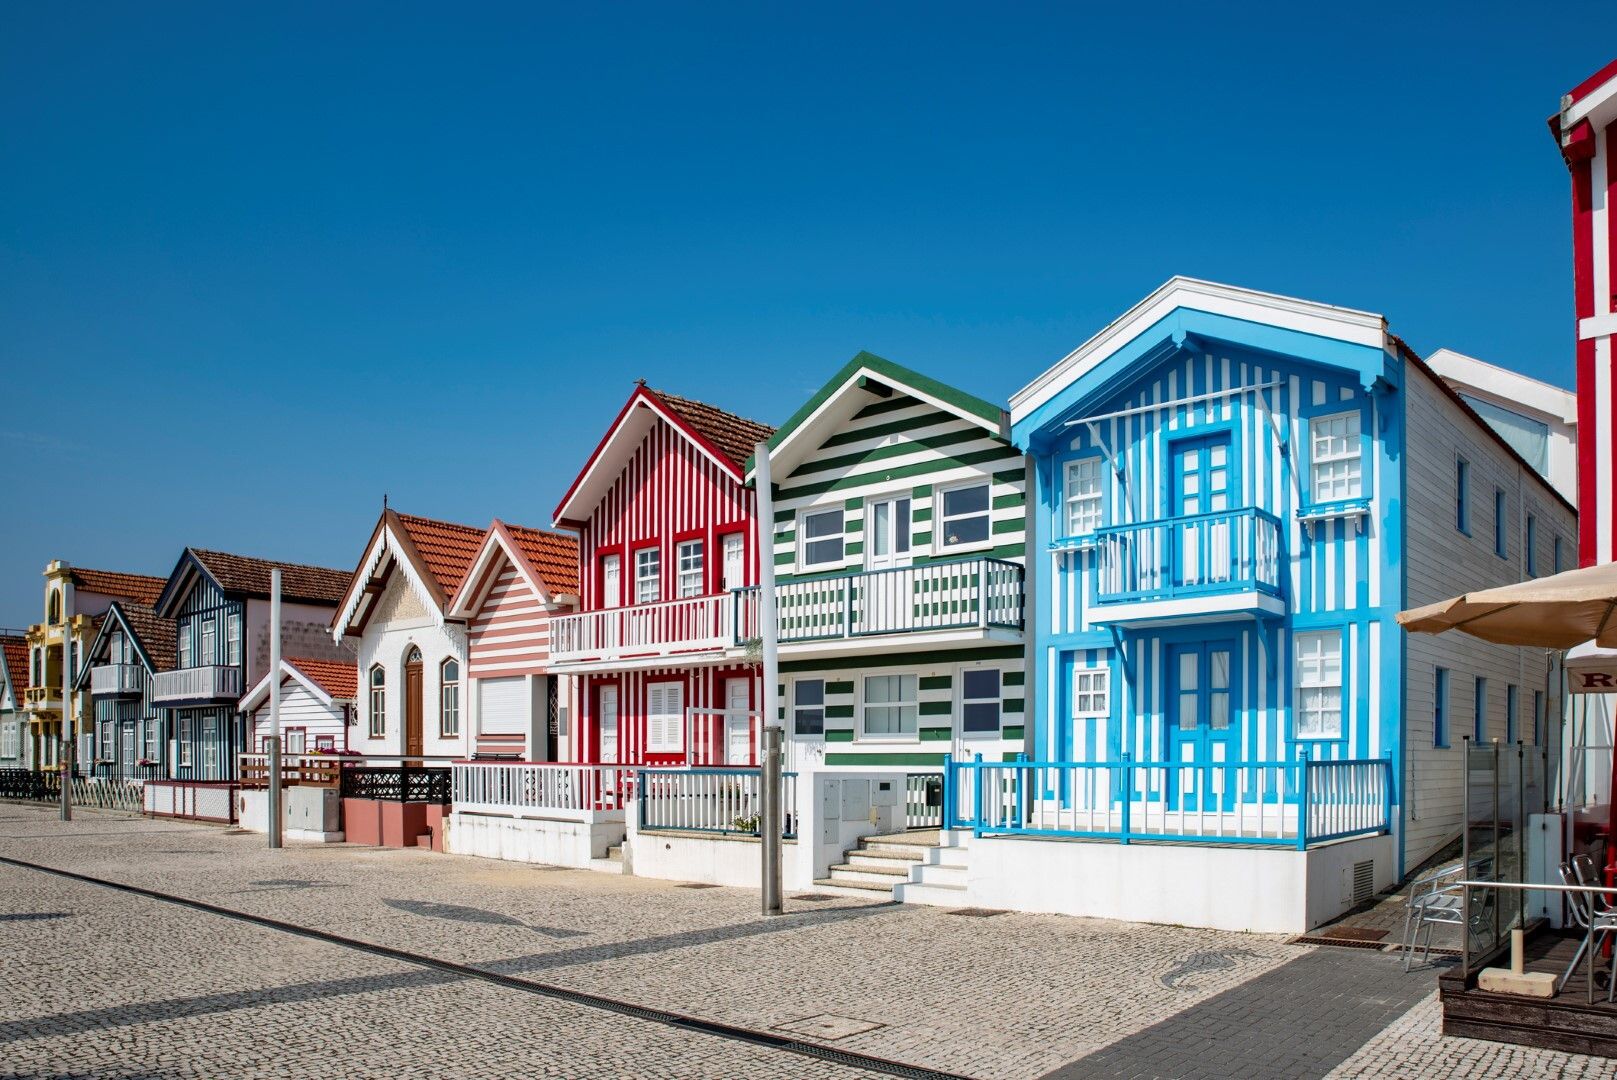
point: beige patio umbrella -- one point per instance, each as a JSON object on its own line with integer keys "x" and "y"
{"x": 1556, "y": 612}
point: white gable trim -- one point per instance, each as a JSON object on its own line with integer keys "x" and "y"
{"x": 1305, "y": 316}
{"x": 260, "y": 692}
{"x": 495, "y": 545}
{"x": 385, "y": 546}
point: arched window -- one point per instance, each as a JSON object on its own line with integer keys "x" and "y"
{"x": 449, "y": 699}
{"x": 53, "y": 613}
{"x": 413, "y": 656}
{"x": 378, "y": 702}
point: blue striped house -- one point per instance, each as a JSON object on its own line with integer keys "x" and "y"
{"x": 1234, "y": 493}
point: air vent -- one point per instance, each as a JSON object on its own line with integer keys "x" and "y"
{"x": 1364, "y": 881}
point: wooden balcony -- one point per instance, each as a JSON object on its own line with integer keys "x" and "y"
{"x": 196, "y": 685}
{"x": 117, "y": 680}
{"x": 1197, "y": 566}
{"x": 692, "y": 628}
{"x": 43, "y": 697}
{"x": 967, "y": 598}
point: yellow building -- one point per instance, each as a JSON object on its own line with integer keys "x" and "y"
{"x": 76, "y": 600}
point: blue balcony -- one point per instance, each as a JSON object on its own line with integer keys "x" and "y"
{"x": 1221, "y": 564}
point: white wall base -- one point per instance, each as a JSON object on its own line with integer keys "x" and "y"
{"x": 709, "y": 858}
{"x": 252, "y": 814}
{"x": 1245, "y": 888}
{"x": 532, "y": 840}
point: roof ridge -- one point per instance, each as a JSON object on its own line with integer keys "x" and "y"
{"x": 667, "y": 395}
{"x": 269, "y": 562}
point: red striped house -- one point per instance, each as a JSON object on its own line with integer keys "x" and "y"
{"x": 518, "y": 581}
{"x": 667, "y": 544}
{"x": 1586, "y": 129}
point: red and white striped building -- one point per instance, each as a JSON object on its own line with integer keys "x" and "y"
{"x": 519, "y": 580}
{"x": 1584, "y": 128}
{"x": 667, "y": 559}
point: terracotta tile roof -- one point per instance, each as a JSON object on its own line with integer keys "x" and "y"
{"x": 157, "y": 635}
{"x": 243, "y": 574}
{"x": 338, "y": 678}
{"x": 16, "y": 659}
{"x": 138, "y": 587}
{"x": 734, "y": 436}
{"x": 447, "y": 549}
{"x": 553, "y": 556}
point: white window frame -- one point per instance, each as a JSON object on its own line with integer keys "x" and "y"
{"x": 8, "y": 739}
{"x": 691, "y": 567}
{"x": 665, "y": 730}
{"x": 184, "y": 732}
{"x": 840, "y": 536}
{"x": 1091, "y": 692}
{"x": 1082, "y": 514}
{"x": 654, "y": 578}
{"x": 894, "y": 556}
{"x": 1310, "y": 677}
{"x": 233, "y": 639}
{"x": 298, "y": 745}
{"x": 449, "y": 700}
{"x": 187, "y": 654}
{"x": 912, "y": 702}
{"x": 377, "y": 704}
{"x": 962, "y": 700}
{"x": 611, "y": 597}
{"x": 940, "y": 539}
{"x": 793, "y": 708}
{"x": 152, "y": 746}
{"x": 1352, "y": 458}
{"x": 208, "y": 642}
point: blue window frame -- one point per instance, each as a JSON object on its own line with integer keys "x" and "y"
{"x": 1500, "y": 541}
{"x": 1480, "y": 725}
{"x": 1512, "y": 694}
{"x": 1530, "y": 539}
{"x": 1462, "y": 496}
{"x": 1440, "y": 707}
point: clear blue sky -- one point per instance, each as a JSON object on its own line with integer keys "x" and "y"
{"x": 260, "y": 265}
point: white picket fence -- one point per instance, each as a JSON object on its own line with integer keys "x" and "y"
{"x": 572, "y": 792}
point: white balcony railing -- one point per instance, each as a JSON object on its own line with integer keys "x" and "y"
{"x": 955, "y": 594}
{"x": 113, "y": 680}
{"x": 569, "y": 792}
{"x": 214, "y": 682}
{"x": 695, "y": 624}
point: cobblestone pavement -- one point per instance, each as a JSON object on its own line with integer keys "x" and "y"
{"x": 1012, "y": 996}
{"x": 96, "y": 983}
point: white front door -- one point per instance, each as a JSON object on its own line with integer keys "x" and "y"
{"x": 889, "y": 540}
{"x": 606, "y": 720}
{"x": 735, "y": 561}
{"x": 737, "y": 721}
{"x": 611, "y": 580}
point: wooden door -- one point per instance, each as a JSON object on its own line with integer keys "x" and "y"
{"x": 412, "y": 703}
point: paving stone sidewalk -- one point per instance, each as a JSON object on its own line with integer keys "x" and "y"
{"x": 1012, "y": 996}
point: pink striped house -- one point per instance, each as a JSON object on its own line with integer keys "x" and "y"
{"x": 519, "y": 579}
{"x": 667, "y": 544}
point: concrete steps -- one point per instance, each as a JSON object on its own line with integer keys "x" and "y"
{"x": 612, "y": 864}
{"x": 924, "y": 867}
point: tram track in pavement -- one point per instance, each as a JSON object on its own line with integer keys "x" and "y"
{"x": 665, "y": 1017}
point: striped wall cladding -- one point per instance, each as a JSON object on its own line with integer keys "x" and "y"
{"x": 938, "y": 676}
{"x": 1331, "y": 566}
{"x": 902, "y": 446}
{"x": 510, "y": 634}
{"x": 667, "y": 491}
{"x": 704, "y": 688}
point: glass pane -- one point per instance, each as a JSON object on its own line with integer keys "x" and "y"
{"x": 1187, "y": 671}
{"x": 972, "y": 530}
{"x": 1219, "y": 701}
{"x": 981, "y": 684}
{"x": 1192, "y": 483}
{"x": 1187, "y": 712}
{"x": 965, "y": 500}
{"x": 901, "y": 527}
{"x": 823, "y": 523}
{"x": 879, "y": 689}
{"x": 1220, "y": 453}
{"x": 881, "y": 520}
{"x": 1220, "y": 660}
{"x": 980, "y": 716}
{"x": 809, "y": 692}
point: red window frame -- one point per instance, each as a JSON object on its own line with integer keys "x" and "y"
{"x": 599, "y": 573}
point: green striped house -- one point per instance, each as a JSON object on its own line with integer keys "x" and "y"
{"x": 899, "y": 534}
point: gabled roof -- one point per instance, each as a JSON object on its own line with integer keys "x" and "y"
{"x": 153, "y": 636}
{"x": 723, "y": 437}
{"x": 1590, "y": 104}
{"x": 1183, "y": 309}
{"x": 142, "y": 588}
{"x": 436, "y": 556}
{"x": 244, "y": 576}
{"x": 547, "y": 561}
{"x": 865, "y": 378}
{"x": 14, "y": 654}
{"x": 330, "y": 681}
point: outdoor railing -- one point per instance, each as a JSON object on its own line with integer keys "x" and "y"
{"x": 541, "y": 790}
{"x": 955, "y": 594}
{"x": 1229, "y": 551}
{"x": 1279, "y": 803}
{"x": 210, "y": 682}
{"x": 111, "y": 793}
{"x": 318, "y": 770}
{"x": 923, "y": 800}
{"x": 673, "y": 626}
{"x": 725, "y": 801}
{"x": 398, "y": 783}
{"x": 109, "y": 680}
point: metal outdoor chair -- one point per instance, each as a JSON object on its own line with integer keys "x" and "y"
{"x": 1434, "y": 900}
{"x": 1595, "y": 922}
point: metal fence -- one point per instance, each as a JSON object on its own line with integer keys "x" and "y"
{"x": 724, "y": 801}
{"x": 1279, "y": 803}
{"x": 402, "y": 783}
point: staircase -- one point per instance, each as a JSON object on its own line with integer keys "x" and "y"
{"x": 916, "y": 867}
{"x": 613, "y": 863}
